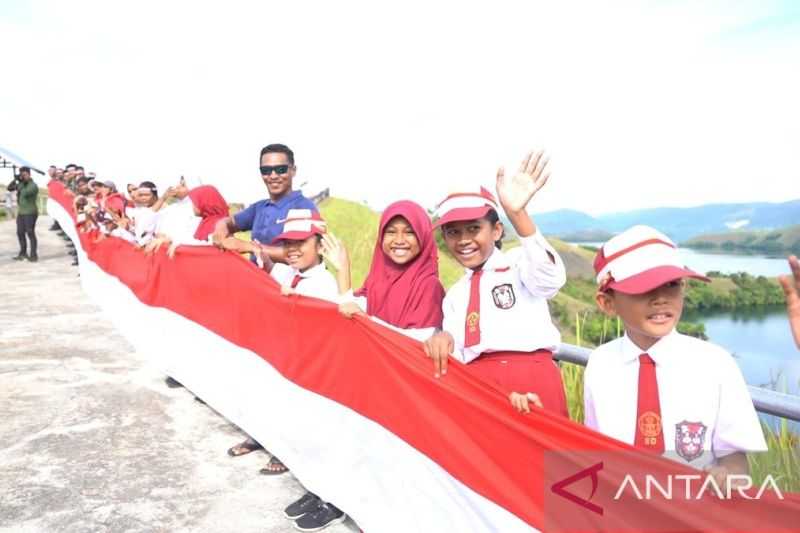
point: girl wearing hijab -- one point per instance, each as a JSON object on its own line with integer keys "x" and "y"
{"x": 182, "y": 226}
{"x": 402, "y": 289}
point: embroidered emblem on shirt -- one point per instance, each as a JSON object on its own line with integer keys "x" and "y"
{"x": 503, "y": 296}
{"x": 650, "y": 426}
{"x": 689, "y": 439}
{"x": 472, "y": 320}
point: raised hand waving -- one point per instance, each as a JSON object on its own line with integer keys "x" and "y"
{"x": 515, "y": 192}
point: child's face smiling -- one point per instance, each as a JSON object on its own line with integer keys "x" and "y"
{"x": 302, "y": 255}
{"x": 647, "y": 317}
{"x": 471, "y": 241}
{"x": 399, "y": 242}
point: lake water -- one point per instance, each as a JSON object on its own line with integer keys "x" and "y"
{"x": 756, "y": 265}
{"x": 760, "y": 340}
{"x": 762, "y": 344}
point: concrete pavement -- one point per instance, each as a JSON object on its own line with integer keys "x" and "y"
{"x": 91, "y": 440}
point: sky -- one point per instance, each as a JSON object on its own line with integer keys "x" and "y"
{"x": 638, "y": 104}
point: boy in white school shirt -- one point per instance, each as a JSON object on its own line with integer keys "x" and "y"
{"x": 496, "y": 319}
{"x": 655, "y": 388}
{"x": 305, "y": 241}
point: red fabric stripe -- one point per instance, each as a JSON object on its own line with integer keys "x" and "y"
{"x": 462, "y": 423}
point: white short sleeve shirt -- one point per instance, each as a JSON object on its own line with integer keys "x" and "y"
{"x": 316, "y": 281}
{"x": 706, "y": 409}
{"x": 514, "y": 291}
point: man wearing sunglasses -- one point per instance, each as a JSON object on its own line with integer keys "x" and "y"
{"x": 262, "y": 218}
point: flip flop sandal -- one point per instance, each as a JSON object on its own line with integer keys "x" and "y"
{"x": 243, "y": 448}
{"x": 274, "y": 468}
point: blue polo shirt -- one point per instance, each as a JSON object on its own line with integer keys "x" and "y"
{"x": 262, "y": 217}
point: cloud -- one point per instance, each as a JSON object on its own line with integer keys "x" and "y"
{"x": 639, "y": 104}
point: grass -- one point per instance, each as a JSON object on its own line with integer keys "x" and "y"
{"x": 573, "y": 386}
{"x": 781, "y": 460}
{"x": 781, "y": 241}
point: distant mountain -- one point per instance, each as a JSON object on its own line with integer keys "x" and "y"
{"x": 680, "y": 223}
{"x": 587, "y": 235}
{"x": 780, "y": 241}
{"x": 565, "y": 221}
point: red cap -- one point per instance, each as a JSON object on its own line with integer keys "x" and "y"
{"x": 299, "y": 225}
{"x": 639, "y": 260}
{"x": 465, "y": 206}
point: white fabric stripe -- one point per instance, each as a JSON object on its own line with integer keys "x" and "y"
{"x": 464, "y": 201}
{"x": 360, "y": 466}
{"x": 296, "y": 213}
{"x": 302, "y": 225}
{"x": 639, "y": 260}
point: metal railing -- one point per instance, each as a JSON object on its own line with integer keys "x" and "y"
{"x": 320, "y": 196}
{"x": 765, "y": 400}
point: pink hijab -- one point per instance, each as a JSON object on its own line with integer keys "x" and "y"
{"x": 406, "y": 296}
{"x": 212, "y": 207}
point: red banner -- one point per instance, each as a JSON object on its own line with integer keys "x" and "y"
{"x": 521, "y": 462}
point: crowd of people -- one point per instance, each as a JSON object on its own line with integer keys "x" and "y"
{"x": 494, "y": 320}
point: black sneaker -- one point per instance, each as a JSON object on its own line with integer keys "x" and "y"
{"x": 325, "y": 515}
{"x": 33, "y": 258}
{"x": 307, "y": 503}
{"x": 20, "y": 257}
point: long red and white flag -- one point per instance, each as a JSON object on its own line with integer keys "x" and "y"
{"x": 354, "y": 410}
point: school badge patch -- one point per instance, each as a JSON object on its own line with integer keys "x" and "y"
{"x": 650, "y": 427}
{"x": 689, "y": 439}
{"x": 472, "y": 321}
{"x": 503, "y": 296}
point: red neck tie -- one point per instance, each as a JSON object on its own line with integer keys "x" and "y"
{"x": 649, "y": 430}
{"x": 472, "y": 326}
{"x": 296, "y": 280}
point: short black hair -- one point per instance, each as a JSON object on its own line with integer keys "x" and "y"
{"x": 279, "y": 149}
{"x": 150, "y": 185}
{"x": 24, "y": 169}
{"x": 79, "y": 168}
{"x": 73, "y": 165}
{"x": 493, "y": 218}
{"x": 83, "y": 179}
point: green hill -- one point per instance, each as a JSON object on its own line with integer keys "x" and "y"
{"x": 780, "y": 241}
{"x": 577, "y": 260}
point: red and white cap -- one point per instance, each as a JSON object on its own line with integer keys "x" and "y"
{"x": 639, "y": 260}
{"x": 465, "y": 206}
{"x": 299, "y": 225}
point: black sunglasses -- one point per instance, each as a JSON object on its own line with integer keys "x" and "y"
{"x": 279, "y": 169}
